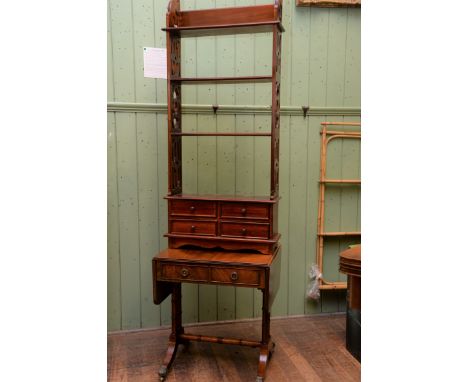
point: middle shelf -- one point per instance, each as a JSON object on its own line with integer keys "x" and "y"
{"x": 221, "y": 134}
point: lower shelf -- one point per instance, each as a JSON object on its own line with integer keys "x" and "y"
{"x": 333, "y": 286}
{"x": 265, "y": 246}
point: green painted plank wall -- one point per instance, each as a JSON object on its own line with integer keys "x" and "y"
{"x": 320, "y": 69}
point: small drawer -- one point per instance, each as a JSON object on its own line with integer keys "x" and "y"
{"x": 236, "y": 276}
{"x": 196, "y": 208}
{"x": 184, "y": 272}
{"x": 193, "y": 227}
{"x": 258, "y": 231}
{"x": 245, "y": 210}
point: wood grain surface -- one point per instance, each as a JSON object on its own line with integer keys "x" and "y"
{"x": 307, "y": 349}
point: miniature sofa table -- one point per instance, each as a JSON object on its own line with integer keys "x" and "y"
{"x": 174, "y": 266}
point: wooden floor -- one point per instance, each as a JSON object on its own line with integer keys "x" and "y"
{"x": 307, "y": 349}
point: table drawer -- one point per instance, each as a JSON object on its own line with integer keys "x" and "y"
{"x": 185, "y": 272}
{"x": 196, "y": 208}
{"x": 251, "y": 277}
{"x": 193, "y": 227}
{"x": 245, "y": 210}
{"x": 248, "y": 230}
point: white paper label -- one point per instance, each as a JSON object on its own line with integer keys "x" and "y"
{"x": 154, "y": 62}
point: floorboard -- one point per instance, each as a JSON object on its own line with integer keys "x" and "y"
{"x": 307, "y": 349}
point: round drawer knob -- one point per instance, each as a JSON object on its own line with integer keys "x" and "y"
{"x": 193, "y": 228}
{"x": 234, "y": 276}
{"x": 192, "y": 208}
{"x": 244, "y": 231}
{"x": 243, "y": 211}
{"x": 184, "y": 272}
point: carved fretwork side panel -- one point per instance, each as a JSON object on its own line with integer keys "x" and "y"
{"x": 174, "y": 102}
{"x": 275, "y": 115}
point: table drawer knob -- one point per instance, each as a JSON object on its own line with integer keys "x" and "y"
{"x": 244, "y": 231}
{"x": 234, "y": 276}
{"x": 193, "y": 228}
{"x": 243, "y": 211}
{"x": 184, "y": 272}
{"x": 192, "y": 208}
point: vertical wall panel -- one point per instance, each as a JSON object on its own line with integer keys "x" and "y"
{"x": 160, "y": 42}
{"x": 148, "y": 212}
{"x": 318, "y": 49}
{"x": 143, "y": 35}
{"x": 352, "y": 94}
{"x": 320, "y": 68}
{"x": 113, "y": 260}
{"x": 297, "y": 215}
{"x": 127, "y": 169}
{"x": 110, "y": 60}
{"x": 336, "y": 56}
{"x": 122, "y": 50}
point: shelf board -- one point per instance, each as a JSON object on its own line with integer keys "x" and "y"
{"x": 339, "y": 234}
{"x": 222, "y": 134}
{"x": 224, "y": 198}
{"x": 341, "y": 181}
{"x": 223, "y": 79}
{"x": 225, "y": 29}
{"x": 332, "y": 286}
{"x": 248, "y": 19}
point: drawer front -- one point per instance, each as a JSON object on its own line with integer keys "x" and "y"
{"x": 184, "y": 272}
{"x": 193, "y": 227}
{"x": 237, "y": 276}
{"x": 194, "y": 208}
{"x": 258, "y": 231}
{"x": 245, "y": 210}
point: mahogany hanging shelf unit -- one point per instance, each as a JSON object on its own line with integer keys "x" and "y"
{"x": 221, "y": 221}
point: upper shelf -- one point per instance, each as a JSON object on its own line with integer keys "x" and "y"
{"x": 233, "y": 20}
{"x": 223, "y": 79}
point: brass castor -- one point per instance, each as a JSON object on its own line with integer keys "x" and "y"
{"x": 162, "y": 373}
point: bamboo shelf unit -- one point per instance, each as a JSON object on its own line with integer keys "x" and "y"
{"x": 327, "y": 137}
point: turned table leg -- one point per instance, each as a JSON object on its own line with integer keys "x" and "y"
{"x": 177, "y": 329}
{"x": 267, "y": 347}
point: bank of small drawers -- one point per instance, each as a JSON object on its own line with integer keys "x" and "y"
{"x": 212, "y": 274}
{"x": 249, "y": 220}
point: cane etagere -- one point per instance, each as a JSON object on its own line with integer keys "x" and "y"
{"x": 221, "y": 221}
{"x": 331, "y": 131}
